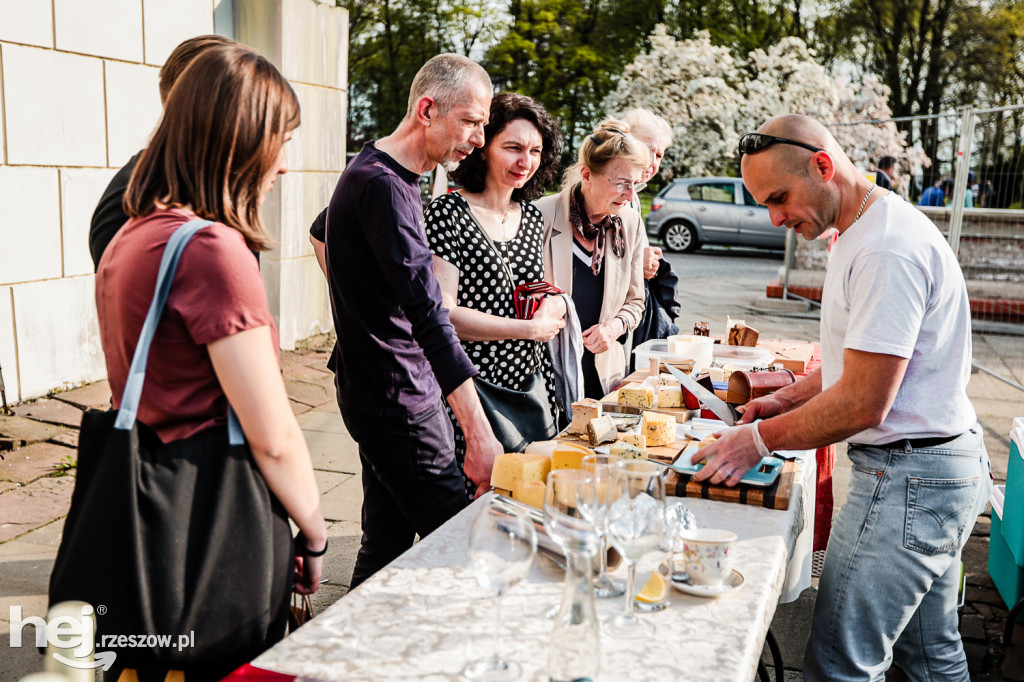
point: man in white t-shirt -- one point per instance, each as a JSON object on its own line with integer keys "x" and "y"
{"x": 896, "y": 359}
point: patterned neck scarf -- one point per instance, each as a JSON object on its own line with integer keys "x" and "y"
{"x": 613, "y": 223}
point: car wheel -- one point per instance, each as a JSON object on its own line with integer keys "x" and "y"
{"x": 680, "y": 238}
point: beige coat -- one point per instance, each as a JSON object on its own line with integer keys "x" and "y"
{"x": 623, "y": 277}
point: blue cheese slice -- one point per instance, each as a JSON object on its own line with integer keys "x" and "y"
{"x": 636, "y": 395}
{"x": 628, "y": 450}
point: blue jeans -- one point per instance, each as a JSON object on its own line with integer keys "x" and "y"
{"x": 888, "y": 588}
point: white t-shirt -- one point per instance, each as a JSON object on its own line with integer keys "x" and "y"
{"x": 894, "y": 286}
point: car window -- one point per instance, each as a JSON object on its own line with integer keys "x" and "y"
{"x": 722, "y": 192}
{"x": 677, "y": 191}
{"x": 748, "y": 198}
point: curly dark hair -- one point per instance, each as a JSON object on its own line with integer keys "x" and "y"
{"x": 505, "y": 108}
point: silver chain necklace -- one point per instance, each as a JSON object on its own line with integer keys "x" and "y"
{"x": 865, "y": 202}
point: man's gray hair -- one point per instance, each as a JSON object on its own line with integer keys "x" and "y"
{"x": 645, "y": 123}
{"x": 444, "y": 78}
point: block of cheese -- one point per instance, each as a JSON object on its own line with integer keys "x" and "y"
{"x": 660, "y": 429}
{"x": 637, "y": 439}
{"x": 519, "y": 466}
{"x": 716, "y": 374}
{"x": 569, "y": 456}
{"x": 601, "y": 430}
{"x": 543, "y": 447}
{"x": 665, "y": 379}
{"x": 670, "y": 396}
{"x": 529, "y": 492}
{"x": 582, "y": 412}
{"x": 502, "y": 491}
{"x": 636, "y": 395}
{"x": 628, "y": 450}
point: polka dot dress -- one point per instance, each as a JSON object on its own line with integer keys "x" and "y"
{"x": 454, "y": 235}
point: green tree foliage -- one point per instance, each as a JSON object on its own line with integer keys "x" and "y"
{"x": 389, "y": 40}
{"x": 740, "y": 25}
{"x": 568, "y": 54}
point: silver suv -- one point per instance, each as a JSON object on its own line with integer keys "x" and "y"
{"x": 695, "y": 211}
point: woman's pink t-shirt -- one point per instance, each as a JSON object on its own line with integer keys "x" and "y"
{"x": 217, "y": 292}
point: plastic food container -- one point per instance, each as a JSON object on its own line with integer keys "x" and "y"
{"x": 743, "y": 357}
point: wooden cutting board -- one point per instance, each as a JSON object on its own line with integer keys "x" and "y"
{"x": 666, "y": 454}
{"x": 792, "y": 355}
{"x": 775, "y": 496}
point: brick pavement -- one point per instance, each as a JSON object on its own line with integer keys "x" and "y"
{"x": 34, "y": 499}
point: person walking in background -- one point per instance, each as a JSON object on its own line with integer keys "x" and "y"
{"x": 934, "y": 195}
{"x": 518, "y": 161}
{"x": 215, "y": 155}
{"x": 397, "y": 354}
{"x": 885, "y": 174}
{"x": 593, "y": 248}
{"x": 895, "y": 333}
{"x": 661, "y": 307}
{"x": 110, "y": 215}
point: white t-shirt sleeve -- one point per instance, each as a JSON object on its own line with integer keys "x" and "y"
{"x": 888, "y": 297}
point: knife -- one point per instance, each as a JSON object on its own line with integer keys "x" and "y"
{"x": 724, "y": 412}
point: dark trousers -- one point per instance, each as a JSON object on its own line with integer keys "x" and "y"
{"x": 411, "y": 482}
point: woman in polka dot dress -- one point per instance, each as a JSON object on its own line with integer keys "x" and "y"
{"x": 499, "y": 181}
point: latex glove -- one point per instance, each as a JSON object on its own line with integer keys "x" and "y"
{"x": 761, "y": 408}
{"x": 737, "y": 451}
{"x": 652, "y": 255}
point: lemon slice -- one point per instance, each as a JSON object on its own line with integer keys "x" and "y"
{"x": 655, "y": 589}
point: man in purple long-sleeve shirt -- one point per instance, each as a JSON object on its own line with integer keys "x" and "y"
{"x": 397, "y": 353}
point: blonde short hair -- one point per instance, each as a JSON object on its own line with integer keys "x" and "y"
{"x": 646, "y": 123}
{"x": 611, "y": 140}
{"x": 444, "y": 79}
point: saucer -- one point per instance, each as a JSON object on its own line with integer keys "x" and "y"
{"x": 731, "y": 584}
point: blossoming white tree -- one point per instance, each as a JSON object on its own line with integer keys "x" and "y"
{"x": 710, "y": 99}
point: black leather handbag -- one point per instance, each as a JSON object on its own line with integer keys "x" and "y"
{"x": 517, "y": 417}
{"x": 182, "y": 539}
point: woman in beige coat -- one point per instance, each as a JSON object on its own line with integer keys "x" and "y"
{"x": 593, "y": 248}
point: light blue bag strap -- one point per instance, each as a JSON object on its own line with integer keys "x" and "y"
{"x": 128, "y": 411}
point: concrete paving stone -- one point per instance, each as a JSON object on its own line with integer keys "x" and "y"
{"x": 791, "y": 627}
{"x": 298, "y": 408}
{"x": 972, "y": 628}
{"x": 343, "y": 502}
{"x": 975, "y": 594}
{"x": 344, "y": 537}
{"x": 292, "y": 358}
{"x": 26, "y": 431}
{"x": 46, "y": 536}
{"x": 91, "y": 396}
{"x": 307, "y": 393}
{"x": 51, "y": 411}
{"x": 7, "y": 485}
{"x": 305, "y": 372}
{"x": 333, "y": 452}
{"x": 324, "y": 420}
{"x": 34, "y": 505}
{"x": 33, "y": 461}
{"x": 70, "y": 439}
{"x": 326, "y": 595}
{"x": 975, "y": 656}
{"x": 330, "y": 407}
{"x": 329, "y": 480}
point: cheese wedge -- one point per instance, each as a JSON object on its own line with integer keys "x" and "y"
{"x": 628, "y": 450}
{"x": 542, "y": 447}
{"x": 665, "y": 379}
{"x": 502, "y": 491}
{"x": 569, "y": 456}
{"x": 529, "y": 492}
{"x": 582, "y": 412}
{"x": 637, "y": 439}
{"x": 670, "y": 396}
{"x": 636, "y": 395}
{"x": 519, "y": 466}
{"x": 660, "y": 429}
{"x": 601, "y": 430}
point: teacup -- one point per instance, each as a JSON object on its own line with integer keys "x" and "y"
{"x": 708, "y": 555}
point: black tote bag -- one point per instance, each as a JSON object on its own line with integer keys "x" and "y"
{"x": 181, "y": 539}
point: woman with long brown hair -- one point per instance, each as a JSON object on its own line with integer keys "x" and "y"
{"x": 215, "y": 156}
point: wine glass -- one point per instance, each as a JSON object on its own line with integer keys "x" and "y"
{"x": 569, "y": 492}
{"x": 502, "y": 545}
{"x": 600, "y": 466}
{"x": 636, "y": 524}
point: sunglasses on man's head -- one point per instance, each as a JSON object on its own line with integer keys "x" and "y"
{"x": 752, "y": 143}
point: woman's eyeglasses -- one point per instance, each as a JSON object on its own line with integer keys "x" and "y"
{"x": 752, "y": 143}
{"x": 627, "y": 187}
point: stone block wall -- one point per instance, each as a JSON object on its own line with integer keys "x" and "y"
{"x": 78, "y": 97}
